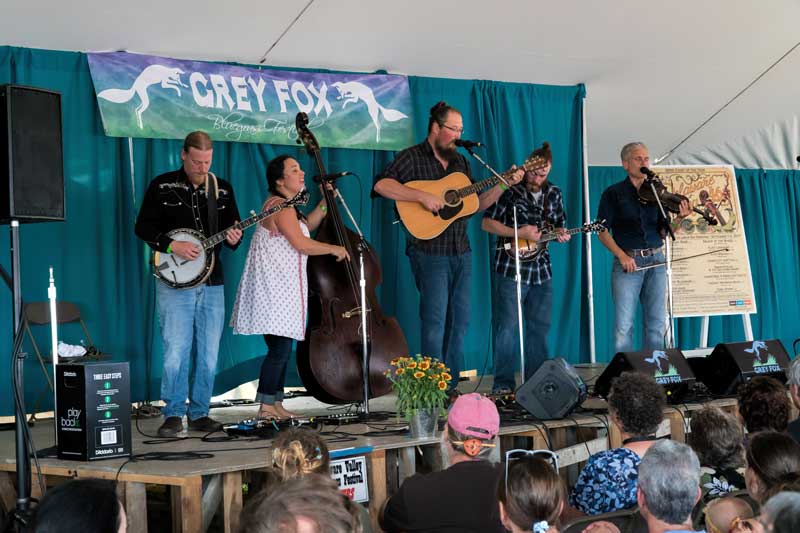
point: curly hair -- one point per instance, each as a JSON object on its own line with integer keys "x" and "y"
{"x": 764, "y": 404}
{"x": 535, "y": 492}
{"x": 717, "y": 438}
{"x": 638, "y": 402}
{"x": 299, "y": 451}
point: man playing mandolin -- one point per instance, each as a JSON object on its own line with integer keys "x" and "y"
{"x": 539, "y": 204}
{"x": 441, "y": 265}
{"x": 179, "y": 199}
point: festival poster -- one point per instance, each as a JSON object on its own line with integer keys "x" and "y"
{"x": 159, "y": 97}
{"x": 711, "y": 266}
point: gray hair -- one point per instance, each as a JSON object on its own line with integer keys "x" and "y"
{"x": 783, "y": 511}
{"x": 630, "y": 147}
{"x": 793, "y": 373}
{"x": 669, "y": 477}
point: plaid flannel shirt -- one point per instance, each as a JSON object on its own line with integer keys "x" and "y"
{"x": 419, "y": 163}
{"x": 547, "y": 210}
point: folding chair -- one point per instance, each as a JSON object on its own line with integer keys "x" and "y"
{"x": 38, "y": 314}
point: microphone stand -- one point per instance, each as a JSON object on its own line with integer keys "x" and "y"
{"x": 362, "y": 283}
{"x": 670, "y": 337}
{"x": 518, "y": 276}
{"x": 518, "y": 279}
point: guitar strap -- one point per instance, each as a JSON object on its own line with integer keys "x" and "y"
{"x": 211, "y": 201}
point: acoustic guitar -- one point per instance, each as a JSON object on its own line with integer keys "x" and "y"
{"x": 460, "y": 196}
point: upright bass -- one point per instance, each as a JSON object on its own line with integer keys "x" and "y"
{"x": 330, "y": 358}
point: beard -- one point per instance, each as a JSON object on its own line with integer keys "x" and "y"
{"x": 447, "y": 151}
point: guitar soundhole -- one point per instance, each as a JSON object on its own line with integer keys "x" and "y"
{"x": 451, "y": 198}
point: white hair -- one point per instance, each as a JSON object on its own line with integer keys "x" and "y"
{"x": 669, "y": 477}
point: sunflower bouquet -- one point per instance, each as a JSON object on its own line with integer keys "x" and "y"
{"x": 420, "y": 382}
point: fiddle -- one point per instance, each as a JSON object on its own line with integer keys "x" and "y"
{"x": 670, "y": 200}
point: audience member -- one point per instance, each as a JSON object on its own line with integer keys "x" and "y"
{"x": 297, "y": 452}
{"x": 531, "y": 495}
{"x": 772, "y": 459}
{"x": 669, "y": 477}
{"x": 311, "y": 503}
{"x": 764, "y": 405}
{"x": 85, "y": 505}
{"x": 722, "y": 514}
{"x": 793, "y": 380}
{"x": 781, "y": 514}
{"x": 608, "y": 481}
{"x": 716, "y": 437}
{"x": 463, "y": 496}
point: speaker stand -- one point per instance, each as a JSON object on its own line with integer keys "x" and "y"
{"x": 21, "y": 514}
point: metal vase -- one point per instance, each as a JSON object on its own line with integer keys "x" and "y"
{"x": 423, "y": 423}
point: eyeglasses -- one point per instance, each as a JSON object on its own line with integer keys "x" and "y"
{"x": 548, "y": 455}
{"x": 454, "y": 130}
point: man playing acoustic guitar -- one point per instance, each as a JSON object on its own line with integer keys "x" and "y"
{"x": 441, "y": 265}
{"x": 539, "y": 204}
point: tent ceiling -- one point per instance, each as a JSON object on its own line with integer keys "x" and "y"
{"x": 653, "y": 70}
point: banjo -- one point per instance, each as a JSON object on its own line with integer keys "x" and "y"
{"x": 180, "y": 273}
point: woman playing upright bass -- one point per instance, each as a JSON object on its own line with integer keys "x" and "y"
{"x": 272, "y": 299}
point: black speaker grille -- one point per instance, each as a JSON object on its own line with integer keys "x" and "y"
{"x": 31, "y": 155}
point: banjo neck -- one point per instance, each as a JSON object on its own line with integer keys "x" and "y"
{"x": 300, "y": 199}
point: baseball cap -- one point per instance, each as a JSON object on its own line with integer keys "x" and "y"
{"x": 474, "y": 415}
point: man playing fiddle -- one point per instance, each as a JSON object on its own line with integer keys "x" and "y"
{"x": 635, "y": 240}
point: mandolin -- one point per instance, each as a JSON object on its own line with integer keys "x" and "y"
{"x": 530, "y": 250}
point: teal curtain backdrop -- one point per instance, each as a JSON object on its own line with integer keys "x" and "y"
{"x": 100, "y": 265}
{"x": 769, "y": 199}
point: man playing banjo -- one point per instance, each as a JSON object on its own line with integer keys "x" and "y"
{"x": 191, "y": 198}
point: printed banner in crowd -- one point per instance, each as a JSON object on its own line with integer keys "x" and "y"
{"x": 711, "y": 266}
{"x": 159, "y": 97}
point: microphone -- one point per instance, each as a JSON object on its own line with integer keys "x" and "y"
{"x": 463, "y": 143}
{"x": 332, "y": 177}
{"x": 647, "y": 172}
{"x": 798, "y": 158}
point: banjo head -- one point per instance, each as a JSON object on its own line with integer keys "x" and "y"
{"x": 181, "y": 273}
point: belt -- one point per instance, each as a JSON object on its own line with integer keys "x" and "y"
{"x": 643, "y": 252}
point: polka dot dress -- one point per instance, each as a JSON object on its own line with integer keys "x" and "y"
{"x": 273, "y": 292}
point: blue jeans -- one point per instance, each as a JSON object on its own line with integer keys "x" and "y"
{"x": 189, "y": 318}
{"x": 537, "y": 302}
{"x": 273, "y": 369}
{"x": 648, "y": 287}
{"x": 443, "y": 282}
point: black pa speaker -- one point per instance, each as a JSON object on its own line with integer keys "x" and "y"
{"x": 668, "y": 367}
{"x": 31, "y": 158}
{"x": 553, "y": 391}
{"x": 733, "y": 363}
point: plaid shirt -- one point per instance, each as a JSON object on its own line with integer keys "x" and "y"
{"x": 419, "y": 163}
{"x": 530, "y": 211}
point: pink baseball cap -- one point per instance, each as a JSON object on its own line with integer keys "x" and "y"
{"x": 475, "y": 415}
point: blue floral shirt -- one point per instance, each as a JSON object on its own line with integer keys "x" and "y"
{"x": 607, "y": 482}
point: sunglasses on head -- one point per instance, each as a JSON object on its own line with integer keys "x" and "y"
{"x": 547, "y": 455}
